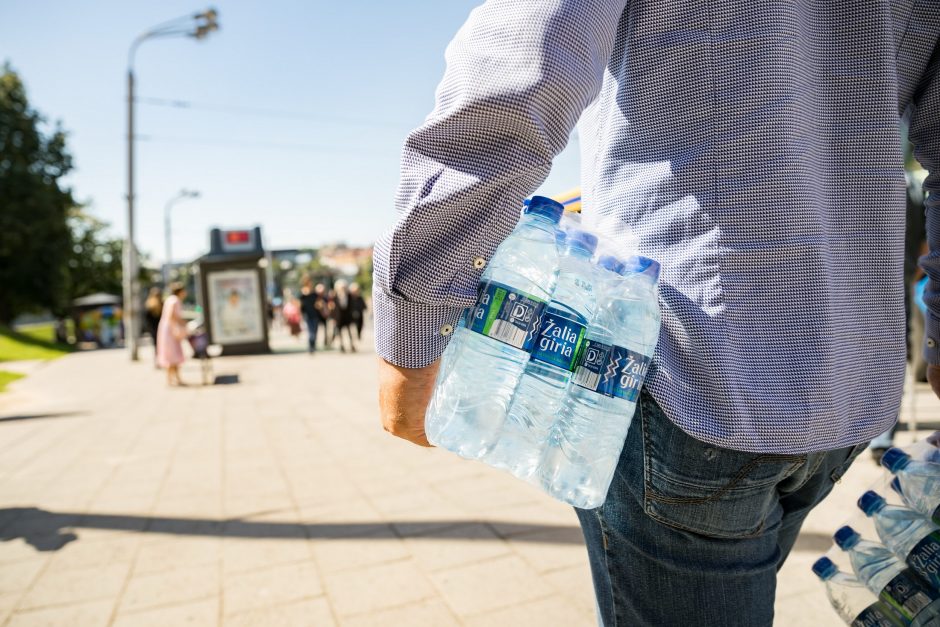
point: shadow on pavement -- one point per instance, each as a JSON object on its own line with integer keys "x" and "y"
{"x": 50, "y": 531}
{"x": 60, "y": 414}
{"x": 225, "y": 379}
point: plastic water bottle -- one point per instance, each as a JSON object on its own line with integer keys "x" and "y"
{"x": 909, "y": 534}
{"x": 853, "y": 601}
{"x": 920, "y": 482}
{"x": 541, "y": 390}
{"x": 887, "y": 576}
{"x": 585, "y": 442}
{"x": 485, "y": 359}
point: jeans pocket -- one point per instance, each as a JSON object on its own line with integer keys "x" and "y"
{"x": 854, "y": 452}
{"x": 706, "y": 489}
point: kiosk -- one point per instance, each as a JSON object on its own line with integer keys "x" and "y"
{"x": 231, "y": 291}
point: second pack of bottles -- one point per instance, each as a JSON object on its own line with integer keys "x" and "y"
{"x": 542, "y": 375}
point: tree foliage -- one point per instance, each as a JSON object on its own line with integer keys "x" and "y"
{"x": 94, "y": 263}
{"x": 35, "y": 242}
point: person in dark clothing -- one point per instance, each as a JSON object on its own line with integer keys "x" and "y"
{"x": 153, "y": 309}
{"x": 308, "y": 307}
{"x": 323, "y": 306}
{"x": 342, "y": 315}
{"x": 357, "y": 308}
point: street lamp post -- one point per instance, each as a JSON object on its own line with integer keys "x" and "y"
{"x": 197, "y": 26}
{"x": 168, "y": 230}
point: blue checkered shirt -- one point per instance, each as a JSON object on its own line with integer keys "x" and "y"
{"x": 751, "y": 147}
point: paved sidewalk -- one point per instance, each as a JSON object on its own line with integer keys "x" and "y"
{"x": 276, "y": 499}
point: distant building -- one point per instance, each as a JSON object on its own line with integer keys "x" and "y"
{"x": 345, "y": 260}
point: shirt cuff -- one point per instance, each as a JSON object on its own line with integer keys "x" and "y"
{"x": 411, "y": 335}
{"x": 932, "y": 340}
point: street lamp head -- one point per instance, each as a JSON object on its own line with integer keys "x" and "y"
{"x": 189, "y": 193}
{"x": 206, "y": 22}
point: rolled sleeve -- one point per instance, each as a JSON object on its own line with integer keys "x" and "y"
{"x": 519, "y": 74}
{"x": 411, "y": 335}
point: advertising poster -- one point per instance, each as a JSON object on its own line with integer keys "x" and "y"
{"x": 235, "y": 306}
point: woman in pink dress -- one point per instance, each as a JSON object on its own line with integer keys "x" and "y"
{"x": 170, "y": 334}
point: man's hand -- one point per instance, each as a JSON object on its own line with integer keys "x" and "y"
{"x": 404, "y": 394}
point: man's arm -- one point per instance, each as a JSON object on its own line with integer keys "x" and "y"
{"x": 519, "y": 74}
{"x": 925, "y": 136}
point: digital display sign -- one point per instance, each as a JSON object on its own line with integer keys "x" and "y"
{"x": 238, "y": 241}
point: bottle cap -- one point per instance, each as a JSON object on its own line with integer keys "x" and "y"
{"x": 846, "y": 537}
{"x": 582, "y": 239}
{"x": 870, "y": 502}
{"x": 643, "y": 265}
{"x": 894, "y": 459}
{"x": 609, "y": 262}
{"x": 824, "y": 568}
{"x": 896, "y": 486}
{"x": 560, "y": 237}
{"x": 542, "y": 206}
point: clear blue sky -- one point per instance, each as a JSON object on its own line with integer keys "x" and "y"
{"x": 357, "y": 75}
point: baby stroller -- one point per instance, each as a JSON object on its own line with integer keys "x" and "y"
{"x": 202, "y": 350}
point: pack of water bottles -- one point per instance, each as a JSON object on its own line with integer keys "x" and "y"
{"x": 542, "y": 375}
{"x": 895, "y": 580}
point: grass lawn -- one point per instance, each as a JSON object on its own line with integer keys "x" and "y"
{"x": 7, "y": 378}
{"x": 34, "y": 342}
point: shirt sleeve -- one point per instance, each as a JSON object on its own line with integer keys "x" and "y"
{"x": 925, "y": 136}
{"x": 519, "y": 73}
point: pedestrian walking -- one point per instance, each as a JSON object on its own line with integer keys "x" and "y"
{"x": 171, "y": 332}
{"x": 153, "y": 310}
{"x": 357, "y": 308}
{"x": 308, "y": 307}
{"x": 753, "y": 150}
{"x": 324, "y": 307}
{"x": 342, "y": 315}
{"x": 291, "y": 313}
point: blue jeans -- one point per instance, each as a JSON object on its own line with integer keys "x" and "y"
{"x": 693, "y": 534}
{"x": 312, "y": 322}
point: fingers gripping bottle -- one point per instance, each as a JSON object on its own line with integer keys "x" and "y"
{"x": 909, "y": 534}
{"x": 485, "y": 359}
{"x": 585, "y": 442}
{"x": 919, "y": 482}
{"x": 855, "y": 603}
{"x": 888, "y": 577}
{"x": 541, "y": 390}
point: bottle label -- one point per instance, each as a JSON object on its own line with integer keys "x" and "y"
{"x": 908, "y": 594}
{"x": 559, "y": 338}
{"x": 877, "y": 615}
{"x": 507, "y": 315}
{"x": 591, "y": 365}
{"x": 924, "y": 559}
{"x": 613, "y": 371}
{"x": 631, "y": 370}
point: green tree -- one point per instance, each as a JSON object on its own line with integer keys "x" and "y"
{"x": 94, "y": 263}
{"x": 34, "y": 206}
{"x": 364, "y": 278}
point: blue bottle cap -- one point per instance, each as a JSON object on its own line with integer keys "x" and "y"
{"x": 643, "y": 265}
{"x": 824, "y": 568}
{"x": 894, "y": 459}
{"x": 609, "y": 262}
{"x": 870, "y": 502}
{"x": 896, "y": 486}
{"x": 542, "y": 206}
{"x": 846, "y": 537}
{"x": 583, "y": 240}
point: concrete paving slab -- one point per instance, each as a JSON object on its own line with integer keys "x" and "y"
{"x": 278, "y": 500}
